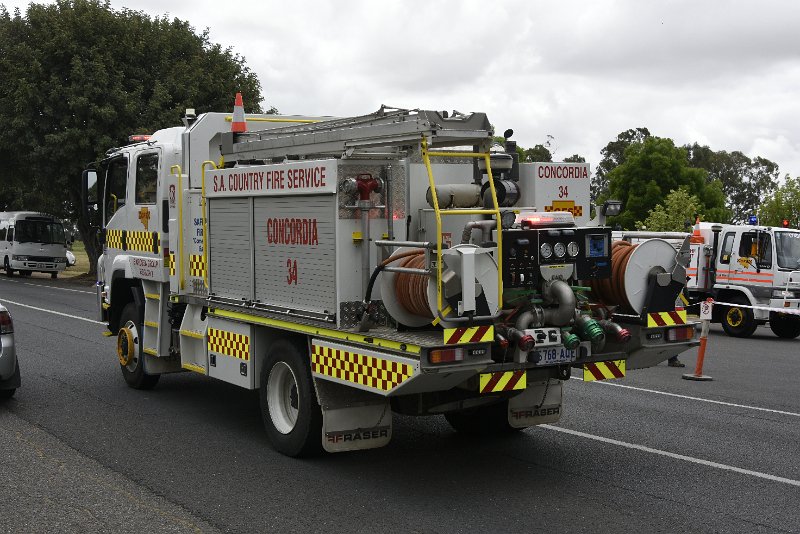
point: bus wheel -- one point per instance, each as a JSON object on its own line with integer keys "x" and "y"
{"x": 738, "y": 321}
{"x": 292, "y": 416}
{"x": 784, "y": 325}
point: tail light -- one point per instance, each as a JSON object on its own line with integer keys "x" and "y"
{"x": 6, "y": 325}
{"x": 682, "y": 333}
{"x": 446, "y": 355}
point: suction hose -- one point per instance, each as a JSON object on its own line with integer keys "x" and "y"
{"x": 611, "y": 291}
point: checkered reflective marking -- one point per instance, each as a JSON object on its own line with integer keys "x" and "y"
{"x": 197, "y": 265}
{"x": 143, "y": 241}
{"x": 565, "y": 205}
{"x": 369, "y": 371}
{"x": 114, "y": 239}
{"x": 172, "y": 264}
{"x": 229, "y": 343}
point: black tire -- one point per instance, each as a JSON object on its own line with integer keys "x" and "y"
{"x": 7, "y": 267}
{"x": 134, "y": 372}
{"x": 784, "y": 325}
{"x": 7, "y": 393}
{"x": 25, "y": 273}
{"x": 736, "y": 321}
{"x": 53, "y": 275}
{"x": 292, "y": 416}
{"x": 483, "y": 420}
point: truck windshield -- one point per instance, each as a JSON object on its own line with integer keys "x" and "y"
{"x": 788, "y": 249}
{"x": 46, "y": 232}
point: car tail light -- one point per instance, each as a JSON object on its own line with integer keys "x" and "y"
{"x": 446, "y": 355}
{"x": 682, "y": 333}
{"x": 6, "y": 325}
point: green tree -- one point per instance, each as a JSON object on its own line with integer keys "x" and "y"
{"x": 651, "y": 169}
{"x": 613, "y": 156}
{"x": 575, "y": 158}
{"x": 672, "y": 214}
{"x": 783, "y": 204}
{"x": 77, "y": 77}
{"x": 746, "y": 182}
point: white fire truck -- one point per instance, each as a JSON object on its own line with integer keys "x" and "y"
{"x": 755, "y": 268}
{"x": 352, "y": 268}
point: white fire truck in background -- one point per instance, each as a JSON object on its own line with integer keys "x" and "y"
{"x": 352, "y": 268}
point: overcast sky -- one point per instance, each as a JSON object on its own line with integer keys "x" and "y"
{"x": 721, "y": 73}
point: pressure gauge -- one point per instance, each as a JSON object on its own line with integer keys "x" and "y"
{"x": 560, "y": 249}
{"x": 573, "y": 249}
{"x": 546, "y": 250}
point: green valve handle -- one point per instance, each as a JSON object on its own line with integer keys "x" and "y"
{"x": 570, "y": 340}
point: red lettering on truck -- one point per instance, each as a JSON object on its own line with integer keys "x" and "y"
{"x": 292, "y": 232}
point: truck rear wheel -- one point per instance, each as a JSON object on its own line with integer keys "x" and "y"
{"x": 483, "y": 420}
{"x": 784, "y": 325}
{"x": 738, "y": 321}
{"x": 292, "y": 416}
{"x": 129, "y": 350}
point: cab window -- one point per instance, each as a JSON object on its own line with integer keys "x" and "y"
{"x": 146, "y": 178}
{"x": 727, "y": 248}
{"x": 757, "y": 245}
{"x": 116, "y": 181}
{"x": 3, "y": 231}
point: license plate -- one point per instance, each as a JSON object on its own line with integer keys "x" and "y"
{"x": 40, "y": 265}
{"x": 554, "y": 355}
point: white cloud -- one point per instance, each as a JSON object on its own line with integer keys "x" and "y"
{"x": 722, "y": 73}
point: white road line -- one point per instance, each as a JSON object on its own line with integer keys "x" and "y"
{"x": 53, "y": 312}
{"x": 51, "y": 287}
{"x": 731, "y": 404}
{"x": 676, "y": 456}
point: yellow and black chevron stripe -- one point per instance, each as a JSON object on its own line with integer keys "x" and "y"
{"x": 603, "y": 370}
{"x": 471, "y": 334}
{"x": 670, "y": 318}
{"x": 369, "y": 371}
{"x": 229, "y": 344}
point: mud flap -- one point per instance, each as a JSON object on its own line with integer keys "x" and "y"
{"x": 540, "y": 403}
{"x": 352, "y": 419}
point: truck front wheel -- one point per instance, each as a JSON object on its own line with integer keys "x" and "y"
{"x": 292, "y": 416}
{"x": 738, "y": 321}
{"x": 7, "y": 267}
{"x": 483, "y": 420}
{"x": 129, "y": 350}
{"x": 784, "y": 325}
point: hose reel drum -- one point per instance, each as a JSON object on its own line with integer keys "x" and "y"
{"x": 461, "y": 263}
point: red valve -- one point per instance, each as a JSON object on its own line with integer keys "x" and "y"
{"x": 366, "y": 184}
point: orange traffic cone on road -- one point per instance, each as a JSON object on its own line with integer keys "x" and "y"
{"x": 239, "y": 124}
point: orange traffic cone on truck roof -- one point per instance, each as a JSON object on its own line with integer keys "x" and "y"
{"x": 239, "y": 124}
{"x": 696, "y": 236}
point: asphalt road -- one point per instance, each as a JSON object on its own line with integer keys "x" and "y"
{"x": 80, "y": 451}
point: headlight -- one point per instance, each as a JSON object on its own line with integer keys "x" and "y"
{"x": 19, "y": 258}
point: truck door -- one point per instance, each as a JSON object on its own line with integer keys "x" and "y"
{"x": 115, "y": 213}
{"x": 754, "y": 263}
{"x": 145, "y": 194}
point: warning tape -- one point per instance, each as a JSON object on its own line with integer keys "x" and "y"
{"x": 793, "y": 311}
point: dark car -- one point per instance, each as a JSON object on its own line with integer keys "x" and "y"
{"x": 9, "y": 370}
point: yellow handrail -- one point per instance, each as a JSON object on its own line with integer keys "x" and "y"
{"x": 426, "y": 155}
{"x": 180, "y": 222}
{"x": 205, "y": 224}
